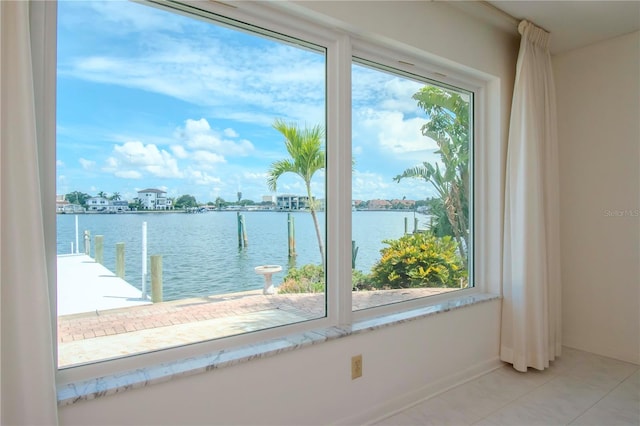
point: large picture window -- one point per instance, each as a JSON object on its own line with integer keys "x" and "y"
{"x": 411, "y": 186}
{"x": 190, "y": 167}
{"x": 203, "y": 185}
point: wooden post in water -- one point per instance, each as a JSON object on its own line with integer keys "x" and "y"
{"x": 415, "y": 225}
{"x": 120, "y": 260}
{"x": 100, "y": 249}
{"x": 406, "y": 225}
{"x": 156, "y": 278}
{"x": 144, "y": 260}
{"x": 239, "y": 230}
{"x": 291, "y": 231}
{"x": 77, "y": 245}
{"x": 245, "y": 239}
{"x": 354, "y": 254}
{"x": 87, "y": 243}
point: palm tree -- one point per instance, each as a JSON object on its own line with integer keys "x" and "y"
{"x": 307, "y": 157}
{"x": 102, "y": 194}
{"x": 449, "y": 127}
{"x": 116, "y": 196}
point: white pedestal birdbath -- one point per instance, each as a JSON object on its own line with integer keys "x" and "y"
{"x": 267, "y": 271}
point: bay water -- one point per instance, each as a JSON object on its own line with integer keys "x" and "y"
{"x": 200, "y": 253}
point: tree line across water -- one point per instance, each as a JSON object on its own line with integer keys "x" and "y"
{"x": 190, "y": 201}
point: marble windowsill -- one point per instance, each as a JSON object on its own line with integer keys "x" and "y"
{"x": 111, "y": 384}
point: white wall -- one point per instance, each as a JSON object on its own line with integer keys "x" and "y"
{"x": 313, "y": 385}
{"x": 599, "y": 135}
{"x": 401, "y": 363}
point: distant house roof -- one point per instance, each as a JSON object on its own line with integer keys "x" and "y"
{"x": 157, "y": 191}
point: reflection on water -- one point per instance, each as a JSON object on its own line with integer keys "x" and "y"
{"x": 200, "y": 253}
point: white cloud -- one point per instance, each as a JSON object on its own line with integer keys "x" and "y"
{"x": 394, "y": 133}
{"x": 128, "y": 174}
{"x": 199, "y": 177}
{"x": 207, "y": 159}
{"x": 179, "y": 151}
{"x": 59, "y": 163}
{"x": 86, "y": 164}
{"x": 256, "y": 176}
{"x": 198, "y": 135}
{"x": 230, "y": 133}
{"x": 399, "y": 92}
{"x": 369, "y": 185}
{"x": 233, "y": 79}
{"x": 208, "y": 66}
{"x": 134, "y": 18}
{"x": 134, "y": 156}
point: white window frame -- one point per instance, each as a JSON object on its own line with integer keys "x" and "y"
{"x": 341, "y": 48}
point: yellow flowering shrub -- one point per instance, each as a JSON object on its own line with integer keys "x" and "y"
{"x": 419, "y": 260}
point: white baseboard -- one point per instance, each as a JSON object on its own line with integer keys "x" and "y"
{"x": 409, "y": 399}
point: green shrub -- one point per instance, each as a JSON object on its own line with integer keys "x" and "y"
{"x": 310, "y": 279}
{"x": 307, "y": 279}
{"x": 360, "y": 280}
{"x": 419, "y": 260}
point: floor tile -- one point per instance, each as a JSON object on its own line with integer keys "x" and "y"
{"x": 578, "y": 389}
{"x": 436, "y": 412}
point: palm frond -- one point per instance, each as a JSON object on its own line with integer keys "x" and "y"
{"x": 277, "y": 169}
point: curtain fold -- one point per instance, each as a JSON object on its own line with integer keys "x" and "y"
{"x": 531, "y": 333}
{"x": 28, "y": 393}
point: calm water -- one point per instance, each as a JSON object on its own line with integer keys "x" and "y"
{"x": 200, "y": 254}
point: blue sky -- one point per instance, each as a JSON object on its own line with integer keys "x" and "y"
{"x": 151, "y": 99}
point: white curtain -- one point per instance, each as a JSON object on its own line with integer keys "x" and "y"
{"x": 28, "y": 393}
{"x": 531, "y": 334}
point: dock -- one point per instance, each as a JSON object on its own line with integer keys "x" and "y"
{"x": 87, "y": 286}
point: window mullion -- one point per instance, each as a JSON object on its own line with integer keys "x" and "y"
{"x": 338, "y": 174}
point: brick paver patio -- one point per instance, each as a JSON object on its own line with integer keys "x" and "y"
{"x": 97, "y": 335}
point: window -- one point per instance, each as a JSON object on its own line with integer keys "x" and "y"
{"x": 217, "y": 135}
{"x": 199, "y": 111}
{"x": 411, "y": 187}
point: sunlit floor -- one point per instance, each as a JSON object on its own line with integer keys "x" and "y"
{"x": 579, "y": 389}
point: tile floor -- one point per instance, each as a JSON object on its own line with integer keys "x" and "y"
{"x": 578, "y": 389}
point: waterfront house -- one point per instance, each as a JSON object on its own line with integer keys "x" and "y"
{"x": 154, "y": 199}
{"x": 119, "y": 206}
{"x": 64, "y": 206}
{"x": 595, "y": 56}
{"x": 98, "y": 204}
{"x": 292, "y": 202}
{"x": 379, "y": 205}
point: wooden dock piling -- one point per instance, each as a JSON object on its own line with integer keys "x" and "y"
{"x": 99, "y": 249}
{"x": 291, "y": 231}
{"x": 87, "y": 243}
{"x": 239, "y": 230}
{"x": 156, "y": 278}
{"x": 354, "y": 254}
{"x": 120, "y": 260}
{"x": 243, "y": 240}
